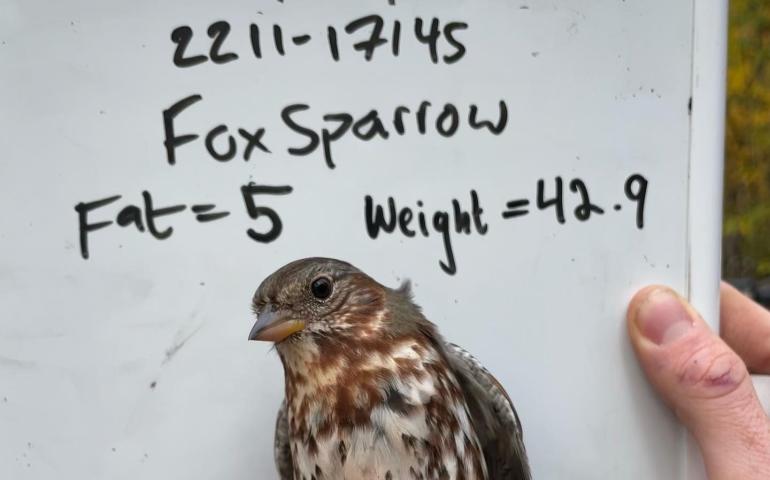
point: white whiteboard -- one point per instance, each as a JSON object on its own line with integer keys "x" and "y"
{"x": 134, "y": 363}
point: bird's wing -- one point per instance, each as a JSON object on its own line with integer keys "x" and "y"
{"x": 493, "y": 415}
{"x": 282, "y": 449}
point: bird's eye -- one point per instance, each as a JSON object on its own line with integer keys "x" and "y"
{"x": 321, "y": 288}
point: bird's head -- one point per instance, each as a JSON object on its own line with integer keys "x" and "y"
{"x": 317, "y": 298}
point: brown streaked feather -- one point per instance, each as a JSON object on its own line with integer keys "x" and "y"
{"x": 492, "y": 412}
{"x": 374, "y": 391}
{"x": 282, "y": 449}
{"x": 493, "y": 415}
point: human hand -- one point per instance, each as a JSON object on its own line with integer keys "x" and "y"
{"x": 705, "y": 378}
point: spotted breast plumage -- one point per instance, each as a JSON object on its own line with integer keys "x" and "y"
{"x": 372, "y": 389}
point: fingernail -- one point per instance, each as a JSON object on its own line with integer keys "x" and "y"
{"x": 662, "y": 317}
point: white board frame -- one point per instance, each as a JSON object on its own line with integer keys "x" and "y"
{"x": 709, "y": 85}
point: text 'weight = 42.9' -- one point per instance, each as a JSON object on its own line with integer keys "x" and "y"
{"x": 635, "y": 189}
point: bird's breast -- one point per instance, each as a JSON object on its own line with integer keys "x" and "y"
{"x": 395, "y": 415}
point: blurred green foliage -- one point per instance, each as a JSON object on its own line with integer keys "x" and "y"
{"x": 746, "y": 250}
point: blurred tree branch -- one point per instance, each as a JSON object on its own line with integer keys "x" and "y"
{"x": 746, "y": 249}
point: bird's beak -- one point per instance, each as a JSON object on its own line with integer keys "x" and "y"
{"x": 274, "y": 326}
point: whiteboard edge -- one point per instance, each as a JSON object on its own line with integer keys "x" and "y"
{"x": 707, "y": 126}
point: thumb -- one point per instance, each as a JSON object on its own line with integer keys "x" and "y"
{"x": 704, "y": 381}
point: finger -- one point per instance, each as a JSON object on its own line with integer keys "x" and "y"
{"x": 745, "y": 326}
{"x": 704, "y": 381}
